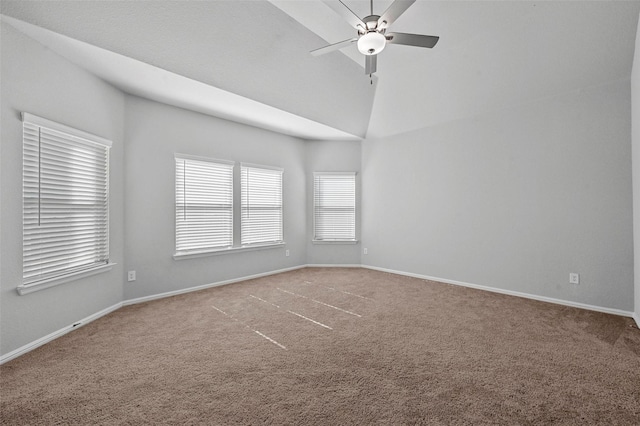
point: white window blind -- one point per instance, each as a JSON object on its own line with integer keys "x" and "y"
{"x": 334, "y": 202}
{"x": 261, "y": 205}
{"x": 65, "y": 201}
{"x": 204, "y": 204}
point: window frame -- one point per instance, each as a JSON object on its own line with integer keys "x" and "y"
{"x": 202, "y": 250}
{"x": 354, "y": 240}
{"x": 242, "y": 205}
{"x": 69, "y": 136}
{"x": 236, "y": 246}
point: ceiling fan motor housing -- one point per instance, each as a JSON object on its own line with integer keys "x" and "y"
{"x": 372, "y": 32}
{"x": 371, "y": 40}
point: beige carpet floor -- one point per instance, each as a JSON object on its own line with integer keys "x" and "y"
{"x": 329, "y": 347}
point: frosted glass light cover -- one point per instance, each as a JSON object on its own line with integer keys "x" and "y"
{"x": 371, "y": 43}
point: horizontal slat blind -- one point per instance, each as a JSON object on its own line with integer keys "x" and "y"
{"x": 204, "y": 205}
{"x": 65, "y": 203}
{"x": 334, "y": 200}
{"x": 261, "y": 201}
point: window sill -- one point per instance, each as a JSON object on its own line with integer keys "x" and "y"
{"x": 204, "y": 253}
{"x": 51, "y": 282}
{"x": 334, "y": 241}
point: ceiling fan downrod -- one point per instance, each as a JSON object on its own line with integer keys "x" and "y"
{"x": 372, "y": 32}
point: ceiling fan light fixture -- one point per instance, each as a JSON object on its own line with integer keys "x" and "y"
{"x": 371, "y": 43}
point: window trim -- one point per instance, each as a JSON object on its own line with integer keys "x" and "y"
{"x": 355, "y": 209}
{"x": 320, "y": 242}
{"x": 266, "y": 243}
{"x": 73, "y": 276}
{"x": 205, "y": 253}
{"x": 237, "y": 207}
{"x": 182, "y": 254}
{"x": 43, "y": 122}
{"x": 81, "y": 136}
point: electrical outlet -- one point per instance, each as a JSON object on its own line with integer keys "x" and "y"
{"x": 131, "y": 276}
{"x": 366, "y": 251}
{"x": 574, "y": 278}
{"x": 286, "y": 252}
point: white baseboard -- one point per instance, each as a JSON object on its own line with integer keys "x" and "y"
{"x": 205, "y": 286}
{"x": 41, "y": 341}
{"x": 58, "y": 333}
{"x": 511, "y": 293}
{"x": 327, "y": 265}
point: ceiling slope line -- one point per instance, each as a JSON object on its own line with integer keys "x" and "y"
{"x": 138, "y": 78}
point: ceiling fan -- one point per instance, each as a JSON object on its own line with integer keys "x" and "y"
{"x": 372, "y": 32}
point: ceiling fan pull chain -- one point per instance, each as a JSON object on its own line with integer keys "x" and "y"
{"x": 372, "y": 32}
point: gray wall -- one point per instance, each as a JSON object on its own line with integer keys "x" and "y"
{"x": 332, "y": 156}
{"x": 154, "y": 133}
{"x": 635, "y": 126}
{"x": 514, "y": 199}
{"x": 38, "y": 81}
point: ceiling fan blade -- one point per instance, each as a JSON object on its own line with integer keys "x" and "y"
{"x": 394, "y": 11}
{"x": 417, "y": 40}
{"x": 370, "y": 64}
{"x": 343, "y": 10}
{"x": 335, "y": 46}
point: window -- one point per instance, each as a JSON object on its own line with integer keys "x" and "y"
{"x": 334, "y": 206}
{"x": 65, "y": 204}
{"x": 261, "y": 205}
{"x": 204, "y": 204}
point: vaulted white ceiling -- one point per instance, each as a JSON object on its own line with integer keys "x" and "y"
{"x": 249, "y": 61}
